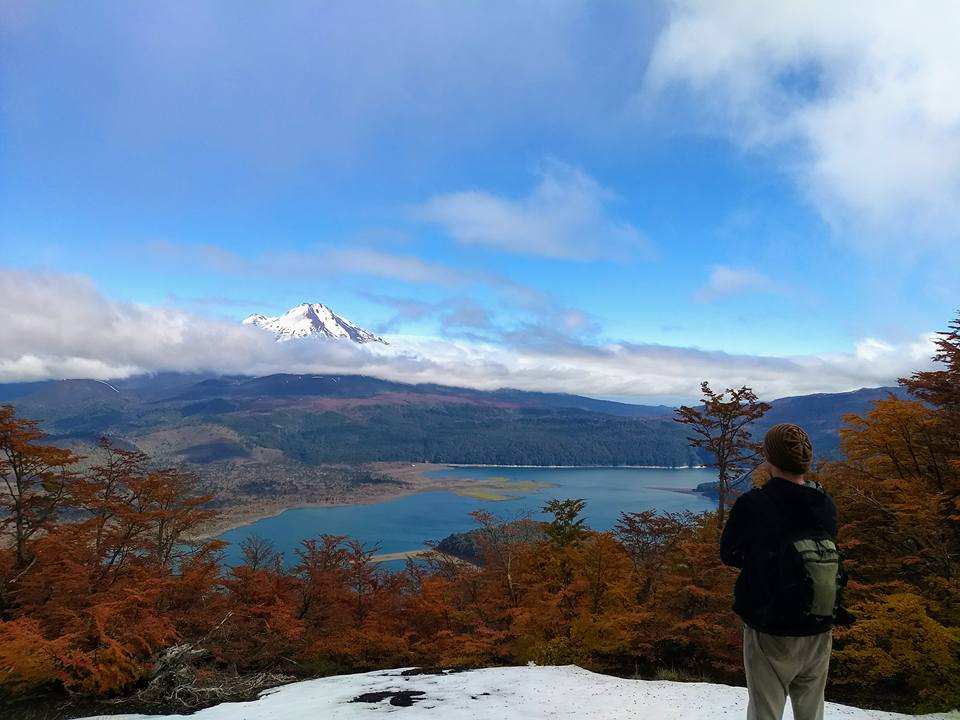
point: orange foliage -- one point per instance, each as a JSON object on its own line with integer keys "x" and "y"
{"x": 693, "y": 625}
{"x": 895, "y": 496}
{"x": 36, "y": 482}
{"x": 898, "y": 496}
{"x": 94, "y": 595}
{"x": 27, "y": 658}
{"x": 897, "y": 642}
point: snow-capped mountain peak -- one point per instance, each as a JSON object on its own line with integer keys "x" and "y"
{"x": 312, "y": 320}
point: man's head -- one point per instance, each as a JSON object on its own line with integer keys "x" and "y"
{"x": 787, "y": 449}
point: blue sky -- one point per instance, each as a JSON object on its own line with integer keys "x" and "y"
{"x": 536, "y": 179}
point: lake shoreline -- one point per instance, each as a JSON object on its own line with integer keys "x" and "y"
{"x": 412, "y": 479}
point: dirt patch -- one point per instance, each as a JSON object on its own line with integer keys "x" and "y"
{"x": 213, "y": 451}
{"x": 165, "y": 443}
{"x": 399, "y": 698}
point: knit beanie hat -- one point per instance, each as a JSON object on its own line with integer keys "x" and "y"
{"x": 788, "y": 447}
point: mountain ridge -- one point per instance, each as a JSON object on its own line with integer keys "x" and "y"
{"x": 356, "y": 418}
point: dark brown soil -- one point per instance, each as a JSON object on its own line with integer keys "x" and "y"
{"x": 400, "y": 698}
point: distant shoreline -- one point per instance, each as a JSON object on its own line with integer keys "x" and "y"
{"x": 414, "y": 478}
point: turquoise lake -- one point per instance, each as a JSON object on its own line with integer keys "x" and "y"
{"x": 404, "y": 523}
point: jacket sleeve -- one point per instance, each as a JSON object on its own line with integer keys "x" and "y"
{"x": 734, "y": 536}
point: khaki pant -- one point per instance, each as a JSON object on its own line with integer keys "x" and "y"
{"x": 779, "y": 666}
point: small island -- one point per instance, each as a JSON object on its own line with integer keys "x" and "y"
{"x": 501, "y": 488}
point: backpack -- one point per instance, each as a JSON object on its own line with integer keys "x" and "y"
{"x": 804, "y": 576}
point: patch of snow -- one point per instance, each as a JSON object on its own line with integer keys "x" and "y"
{"x": 104, "y": 382}
{"x": 515, "y": 693}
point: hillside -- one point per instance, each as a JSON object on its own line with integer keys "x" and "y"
{"x": 288, "y": 439}
{"x": 263, "y": 444}
{"x": 821, "y": 414}
{"x": 517, "y": 693}
{"x": 314, "y": 420}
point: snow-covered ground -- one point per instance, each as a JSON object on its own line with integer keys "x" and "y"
{"x": 517, "y": 693}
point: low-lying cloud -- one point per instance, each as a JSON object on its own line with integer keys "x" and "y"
{"x": 60, "y": 326}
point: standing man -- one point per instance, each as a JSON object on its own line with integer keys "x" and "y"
{"x": 783, "y": 538}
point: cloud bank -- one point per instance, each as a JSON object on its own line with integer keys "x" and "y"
{"x": 60, "y": 326}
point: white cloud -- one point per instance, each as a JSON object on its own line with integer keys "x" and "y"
{"x": 726, "y": 281}
{"x": 60, "y": 326}
{"x": 862, "y": 101}
{"x": 564, "y": 216}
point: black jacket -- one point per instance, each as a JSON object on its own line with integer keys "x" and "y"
{"x": 753, "y": 533}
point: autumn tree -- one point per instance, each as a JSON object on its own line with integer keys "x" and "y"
{"x": 379, "y": 635}
{"x": 941, "y": 387}
{"x": 567, "y": 526}
{"x": 138, "y": 513}
{"x": 899, "y": 506}
{"x": 648, "y": 537}
{"x": 721, "y": 428}
{"x": 454, "y": 612}
{"x": 36, "y": 482}
{"x": 584, "y": 615}
{"x": 259, "y": 553}
{"x": 896, "y": 644}
{"x": 109, "y": 564}
{"x": 323, "y": 569}
{"x": 897, "y": 439}
{"x": 264, "y": 625}
{"x": 940, "y": 390}
{"x": 692, "y": 624}
{"x": 564, "y": 533}
{"x": 364, "y": 577}
{"x": 501, "y": 541}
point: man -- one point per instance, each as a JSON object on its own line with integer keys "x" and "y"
{"x": 782, "y": 537}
